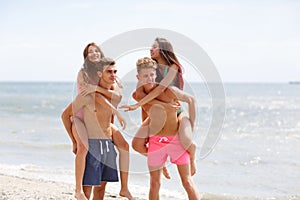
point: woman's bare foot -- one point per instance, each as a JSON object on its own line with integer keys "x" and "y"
{"x": 126, "y": 193}
{"x": 193, "y": 167}
{"x": 80, "y": 195}
{"x": 166, "y": 172}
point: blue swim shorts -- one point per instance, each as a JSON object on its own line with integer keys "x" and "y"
{"x": 101, "y": 163}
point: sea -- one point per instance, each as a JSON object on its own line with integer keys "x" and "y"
{"x": 255, "y": 153}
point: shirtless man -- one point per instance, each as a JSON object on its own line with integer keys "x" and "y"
{"x": 163, "y": 141}
{"x": 101, "y": 159}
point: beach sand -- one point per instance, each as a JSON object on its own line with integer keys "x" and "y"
{"x": 15, "y": 188}
{"x": 12, "y": 188}
{"x": 21, "y": 188}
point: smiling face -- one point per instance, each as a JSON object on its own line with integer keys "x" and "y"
{"x": 147, "y": 77}
{"x": 94, "y": 55}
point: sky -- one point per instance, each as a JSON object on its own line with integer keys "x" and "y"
{"x": 248, "y": 41}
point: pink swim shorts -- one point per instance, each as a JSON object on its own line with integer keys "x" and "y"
{"x": 160, "y": 147}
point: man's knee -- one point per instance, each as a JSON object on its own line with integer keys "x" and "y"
{"x": 188, "y": 184}
{"x": 155, "y": 184}
{"x": 125, "y": 147}
{"x": 99, "y": 191}
{"x": 137, "y": 146}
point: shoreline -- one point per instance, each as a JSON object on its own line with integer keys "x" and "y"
{"x": 13, "y": 187}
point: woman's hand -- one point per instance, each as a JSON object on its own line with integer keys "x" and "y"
{"x": 87, "y": 89}
{"x": 175, "y": 105}
{"x": 129, "y": 107}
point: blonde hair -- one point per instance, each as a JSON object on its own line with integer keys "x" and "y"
{"x": 145, "y": 62}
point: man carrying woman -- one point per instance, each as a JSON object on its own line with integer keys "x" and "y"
{"x": 169, "y": 73}
{"x": 159, "y": 143}
{"x": 88, "y": 80}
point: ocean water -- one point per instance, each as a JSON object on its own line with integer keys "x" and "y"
{"x": 257, "y": 154}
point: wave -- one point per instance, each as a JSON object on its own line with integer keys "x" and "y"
{"x": 35, "y": 145}
{"x": 31, "y": 171}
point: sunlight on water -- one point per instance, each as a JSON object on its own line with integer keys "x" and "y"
{"x": 257, "y": 156}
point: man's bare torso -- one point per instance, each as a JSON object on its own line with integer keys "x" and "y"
{"x": 171, "y": 125}
{"x": 97, "y": 120}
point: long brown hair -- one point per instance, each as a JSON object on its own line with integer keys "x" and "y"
{"x": 167, "y": 54}
{"x": 86, "y": 50}
{"x": 89, "y": 68}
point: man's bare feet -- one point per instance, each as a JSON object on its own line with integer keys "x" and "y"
{"x": 80, "y": 196}
{"x": 193, "y": 167}
{"x": 126, "y": 193}
{"x": 166, "y": 172}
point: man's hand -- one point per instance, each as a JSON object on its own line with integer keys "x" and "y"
{"x": 121, "y": 120}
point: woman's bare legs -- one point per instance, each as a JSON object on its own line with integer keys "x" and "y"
{"x": 140, "y": 139}
{"x": 185, "y": 133}
{"x": 187, "y": 182}
{"x": 81, "y": 137}
{"x": 123, "y": 149}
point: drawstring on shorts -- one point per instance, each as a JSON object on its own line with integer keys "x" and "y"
{"x": 101, "y": 147}
{"x": 163, "y": 140}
